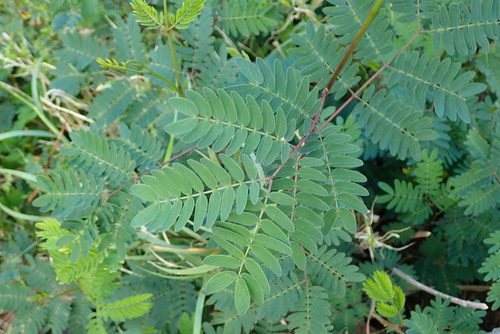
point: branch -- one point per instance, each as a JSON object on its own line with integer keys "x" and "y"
{"x": 458, "y": 301}
{"x": 369, "y": 20}
{"x": 371, "y": 16}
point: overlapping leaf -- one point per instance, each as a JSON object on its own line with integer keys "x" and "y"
{"x": 206, "y": 191}
{"x": 461, "y": 29}
{"x": 393, "y": 126}
{"x": 285, "y": 90}
{"x": 344, "y": 15}
{"x": 319, "y": 51}
{"x": 68, "y": 191}
{"x": 228, "y": 122}
{"x": 104, "y": 160}
{"x": 420, "y": 75}
{"x": 145, "y": 149}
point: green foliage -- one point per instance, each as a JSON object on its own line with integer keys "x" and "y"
{"x": 315, "y": 53}
{"x": 388, "y": 123}
{"x": 492, "y": 269}
{"x": 348, "y": 17}
{"x": 199, "y": 177}
{"x": 390, "y": 299}
{"x": 462, "y": 29}
{"x": 189, "y": 10}
{"x": 421, "y": 76}
{"x": 441, "y": 317}
{"x": 147, "y": 15}
{"x": 246, "y": 17}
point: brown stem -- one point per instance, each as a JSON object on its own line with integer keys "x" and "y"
{"x": 387, "y": 323}
{"x": 369, "y": 81}
{"x": 371, "y": 16}
{"x": 324, "y": 93}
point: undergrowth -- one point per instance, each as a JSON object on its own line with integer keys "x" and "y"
{"x": 249, "y": 166}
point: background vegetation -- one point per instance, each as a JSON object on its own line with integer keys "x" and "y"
{"x": 253, "y": 166}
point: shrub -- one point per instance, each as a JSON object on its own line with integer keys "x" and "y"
{"x": 219, "y": 164}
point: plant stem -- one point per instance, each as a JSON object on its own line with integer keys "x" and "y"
{"x": 387, "y": 323}
{"x": 454, "y": 300}
{"x": 369, "y": 81}
{"x": 174, "y": 61}
{"x": 172, "y": 50}
{"x": 324, "y": 93}
{"x": 161, "y": 77}
{"x": 66, "y": 291}
{"x": 369, "y": 20}
{"x": 198, "y": 314}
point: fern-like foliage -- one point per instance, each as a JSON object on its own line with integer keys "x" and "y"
{"x": 417, "y": 201}
{"x": 280, "y": 89}
{"x": 217, "y": 70}
{"x": 128, "y": 40}
{"x": 162, "y": 64}
{"x": 312, "y": 313}
{"x": 429, "y": 173}
{"x": 478, "y": 188}
{"x": 220, "y": 120}
{"x": 387, "y": 122}
{"x": 112, "y": 103}
{"x": 491, "y": 267}
{"x": 243, "y": 18}
{"x": 215, "y": 187}
{"x": 68, "y": 192}
{"x": 147, "y": 15}
{"x": 200, "y": 40}
{"x": 144, "y": 149}
{"x": 177, "y": 192}
{"x": 70, "y": 79}
{"x": 440, "y": 317}
{"x": 413, "y": 10}
{"x": 488, "y": 63}
{"x": 15, "y": 297}
{"x": 103, "y": 159}
{"x": 461, "y": 29}
{"x": 332, "y": 269}
{"x": 319, "y": 50}
{"x": 81, "y": 50}
{"x": 344, "y": 15}
{"x": 128, "y": 308}
{"x": 421, "y": 75}
{"x": 404, "y": 197}
{"x": 186, "y": 14}
{"x": 115, "y": 217}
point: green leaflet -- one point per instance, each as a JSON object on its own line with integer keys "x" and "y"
{"x": 175, "y": 192}
{"x": 460, "y": 29}
{"x": 245, "y": 18}
{"x": 441, "y": 78}
{"x": 206, "y": 192}
{"x": 224, "y": 120}
{"x": 394, "y": 127}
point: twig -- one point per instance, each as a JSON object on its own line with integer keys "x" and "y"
{"x": 458, "y": 301}
{"x": 326, "y": 90}
{"x": 370, "y": 314}
{"x": 474, "y": 288}
{"x": 369, "y": 81}
{"x": 387, "y": 323}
